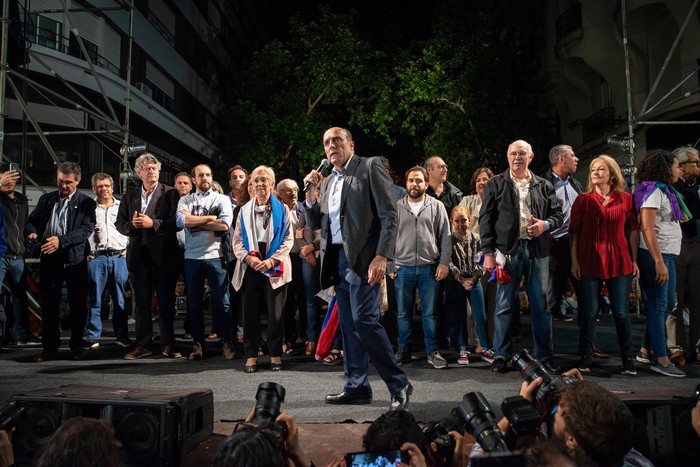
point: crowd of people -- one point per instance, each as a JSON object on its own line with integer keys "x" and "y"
{"x": 466, "y": 258}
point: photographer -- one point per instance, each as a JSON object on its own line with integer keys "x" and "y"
{"x": 590, "y": 424}
{"x": 267, "y": 438}
{"x": 263, "y": 445}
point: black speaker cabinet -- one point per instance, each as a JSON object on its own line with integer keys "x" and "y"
{"x": 663, "y": 432}
{"x": 157, "y": 428}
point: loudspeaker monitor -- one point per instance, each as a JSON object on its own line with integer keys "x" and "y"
{"x": 157, "y": 428}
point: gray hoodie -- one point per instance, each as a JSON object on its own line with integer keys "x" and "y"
{"x": 424, "y": 239}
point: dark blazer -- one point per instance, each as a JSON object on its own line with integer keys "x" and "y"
{"x": 160, "y": 239}
{"x": 367, "y": 218}
{"x": 499, "y": 218}
{"x": 81, "y": 223}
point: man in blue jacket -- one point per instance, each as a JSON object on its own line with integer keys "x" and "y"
{"x": 62, "y": 222}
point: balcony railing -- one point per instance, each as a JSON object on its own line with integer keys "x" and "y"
{"x": 569, "y": 21}
{"x": 52, "y": 40}
{"x": 599, "y": 123}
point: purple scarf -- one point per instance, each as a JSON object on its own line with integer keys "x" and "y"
{"x": 645, "y": 189}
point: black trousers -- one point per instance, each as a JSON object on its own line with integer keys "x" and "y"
{"x": 54, "y": 273}
{"x": 148, "y": 276}
{"x": 257, "y": 296}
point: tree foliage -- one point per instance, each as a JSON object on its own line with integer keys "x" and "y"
{"x": 464, "y": 92}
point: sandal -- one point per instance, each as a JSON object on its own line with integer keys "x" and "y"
{"x": 333, "y": 358}
{"x": 287, "y": 348}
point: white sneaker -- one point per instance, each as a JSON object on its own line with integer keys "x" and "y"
{"x": 437, "y": 360}
{"x": 463, "y": 357}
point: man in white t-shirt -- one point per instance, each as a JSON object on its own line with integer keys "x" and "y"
{"x": 206, "y": 215}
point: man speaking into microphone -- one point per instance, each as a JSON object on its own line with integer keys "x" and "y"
{"x": 356, "y": 213}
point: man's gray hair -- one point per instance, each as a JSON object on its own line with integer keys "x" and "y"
{"x": 558, "y": 151}
{"x": 429, "y": 164}
{"x": 289, "y": 181}
{"x": 146, "y": 158}
{"x": 69, "y": 168}
{"x": 682, "y": 153}
{"x": 101, "y": 176}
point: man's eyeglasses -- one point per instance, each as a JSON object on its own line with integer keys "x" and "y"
{"x": 519, "y": 154}
{"x": 697, "y": 163}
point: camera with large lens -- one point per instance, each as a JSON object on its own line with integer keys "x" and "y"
{"x": 268, "y": 404}
{"x": 10, "y": 414}
{"x": 548, "y": 393}
{"x": 477, "y": 417}
{"x": 437, "y": 432}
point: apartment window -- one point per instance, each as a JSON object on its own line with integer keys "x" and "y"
{"x": 91, "y": 47}
{"x": 160, "y": 96}
{"x": 44, "y": 31}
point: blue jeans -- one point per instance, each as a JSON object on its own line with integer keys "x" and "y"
{"x": 106, "y": 271}
{"x": 214, "y": 270}
{"x": 14, "y": 271}
{"x": 408, "y": 280}
{"x": 310, "y": 275}
{"x": 458, "y": 298}
{"x": 659, "y": 299}
{"x": 536, "y": 271}
{"x": 619, "y": 294}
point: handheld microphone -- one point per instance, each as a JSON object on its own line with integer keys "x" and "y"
{"x": 321, "y": 168}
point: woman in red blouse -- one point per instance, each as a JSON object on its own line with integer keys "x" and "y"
{"x": 604, "y": 236}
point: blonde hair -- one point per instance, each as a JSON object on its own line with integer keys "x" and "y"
{"x": 267, "y": 171}
{"x": 618, "y": 183}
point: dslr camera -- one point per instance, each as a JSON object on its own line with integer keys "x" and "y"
{"x": 268, "y": 404}
{"x": 478, "y": 418}
{"x": 10, "y": 415}
{"x": 437, "y": 432}
{"x": 530, "y": 369}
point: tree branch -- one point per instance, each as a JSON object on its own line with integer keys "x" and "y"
{"x": 313, "y": 104}
{"x": 459, "y": 104}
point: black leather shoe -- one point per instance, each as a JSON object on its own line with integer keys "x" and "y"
{"x": 399, "y": 401}
{"x": 345, "y": 398}
{"x": 250, "y": 369}
{"x": 499, "y": 365}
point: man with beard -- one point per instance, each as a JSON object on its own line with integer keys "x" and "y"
{"x": 422, "y": 259}
{"x": 206, "y": 215}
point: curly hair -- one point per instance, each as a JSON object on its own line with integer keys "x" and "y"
{"x": 656, "y": 167}
{"x": 391, "y": 430}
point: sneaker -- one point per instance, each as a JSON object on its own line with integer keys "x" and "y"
{"x": 437, "y": 360}
{"x": 628, "y": 367}
{"x": 30, "y": 340}
{"x": 138, "y": 352}
{"x": 499, "y": 365}
{"x": 585, "y": 364}
{"x": 670, "y": 370}
{"x": 228, "y": 352}
{"x": 197, "y": 352}
{"x": 488, "y": 356}
{"x": 124, "y": 342}
{"x": 562, "y": 317}
{"x": 91, "y": 344}
{"x": 643, "y": 357}
{"x": 403, "y": 356}
{"x": 463, "y": 357}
